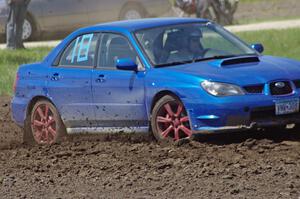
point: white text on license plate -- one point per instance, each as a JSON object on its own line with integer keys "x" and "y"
{"x": 287, "y": 106}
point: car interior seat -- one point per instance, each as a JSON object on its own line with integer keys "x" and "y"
{"x": 173, "y": 43}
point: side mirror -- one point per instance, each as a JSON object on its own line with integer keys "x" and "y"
{"x": 258, "y": 47}
{"x": 126, "y": 64}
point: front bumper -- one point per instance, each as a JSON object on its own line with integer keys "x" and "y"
{"x": 237, "y": 113}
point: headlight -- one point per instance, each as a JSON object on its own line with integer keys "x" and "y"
{"x": 221, "y": 89}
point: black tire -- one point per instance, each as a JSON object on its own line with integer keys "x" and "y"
{"x": 134, "y": 8}
{"x": 53, "y": 120}
{"x": 165, "y": 125}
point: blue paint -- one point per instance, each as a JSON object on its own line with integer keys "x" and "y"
{"x": 78, "y": 90}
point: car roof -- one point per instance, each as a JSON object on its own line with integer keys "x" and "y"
{"x": 138, "y": 24}
{"x": 126, "y": 26}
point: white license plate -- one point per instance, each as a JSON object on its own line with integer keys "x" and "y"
{"x": 287, "y": 106}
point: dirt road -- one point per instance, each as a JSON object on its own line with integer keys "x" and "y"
{"x": 241, "y": 165}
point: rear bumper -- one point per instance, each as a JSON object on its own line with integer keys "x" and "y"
{"x": 19, "y": 107}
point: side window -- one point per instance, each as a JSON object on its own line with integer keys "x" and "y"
{"x": 113, "y": 47}
{"x": 81, "y": 51}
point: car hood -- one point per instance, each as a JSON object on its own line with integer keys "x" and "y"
{"x": 268, "y": 69}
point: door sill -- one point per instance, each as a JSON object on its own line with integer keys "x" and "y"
{"x": 96, "y": 130}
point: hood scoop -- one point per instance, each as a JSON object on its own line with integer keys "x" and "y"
{"x": 239, "y": 60}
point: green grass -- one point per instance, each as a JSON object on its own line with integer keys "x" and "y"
{"x": 284, "y": 43}
{"x": 9, "y": 62}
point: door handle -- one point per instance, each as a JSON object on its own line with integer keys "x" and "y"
{"x": 100, "y": 79}
{"x": 55, "y": 77}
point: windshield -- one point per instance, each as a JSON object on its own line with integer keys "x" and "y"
{"x": 185, "y": 43}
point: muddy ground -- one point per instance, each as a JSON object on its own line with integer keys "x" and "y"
{"x": 236, "y": 165}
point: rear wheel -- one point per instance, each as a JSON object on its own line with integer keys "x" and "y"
{"x": 170, "y": 120}
{"x": 44, "y": 125}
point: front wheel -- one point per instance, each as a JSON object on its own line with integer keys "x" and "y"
{"x": 170, "y": 120}
{"x": 44, "y": 125}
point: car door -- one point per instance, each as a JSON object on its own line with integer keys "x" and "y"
{"x": 64, "y": 15}
{"x": 70, "y": 82}
{"x": 118, "y": 95}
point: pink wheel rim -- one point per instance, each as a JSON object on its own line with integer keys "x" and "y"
{"x": 172, "y": 121}
{"x": 43, "y": 125}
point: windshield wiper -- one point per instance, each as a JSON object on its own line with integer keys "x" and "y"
{"x": 214, "y": 57}
{"x": 174, "y": 63}
{"x": 202, "y": 59}
{"x": 222, "y": 57}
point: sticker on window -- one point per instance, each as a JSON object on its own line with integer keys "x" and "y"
{"x": 81, "y": 48}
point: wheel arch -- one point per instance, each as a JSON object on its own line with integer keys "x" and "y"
{"x": 161, "y": 94}
{"x": 184, "y": 126}
{"x": 33, "y": 101}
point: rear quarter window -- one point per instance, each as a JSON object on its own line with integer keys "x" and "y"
{"x": 81, "y": 51}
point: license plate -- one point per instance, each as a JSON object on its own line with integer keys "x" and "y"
{"x": 287, "y": 106}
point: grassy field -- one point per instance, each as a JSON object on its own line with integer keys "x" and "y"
{"x": 9, "y": 62}
{"x": 284, "y": 43}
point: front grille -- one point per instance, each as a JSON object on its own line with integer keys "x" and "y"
{"x": 254, "y": 88}
{"x": 297, "y": 83}
{"x": 286, "y": 89}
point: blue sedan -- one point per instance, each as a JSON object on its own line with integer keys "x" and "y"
{"x": 173, "y": 77}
